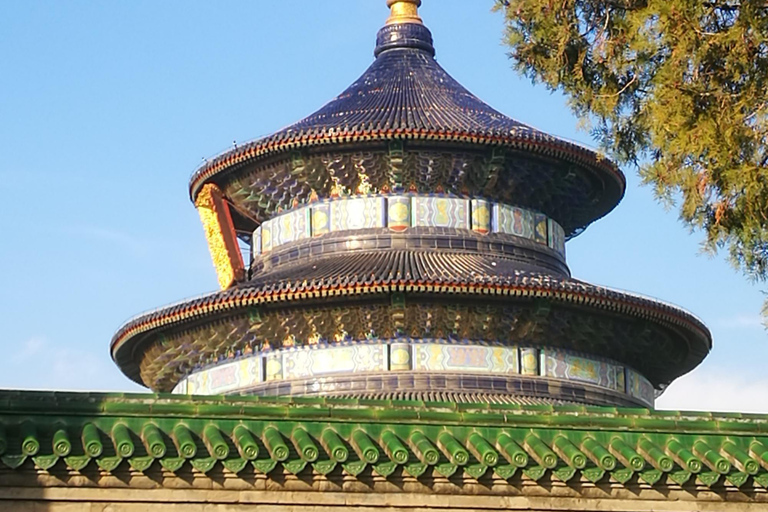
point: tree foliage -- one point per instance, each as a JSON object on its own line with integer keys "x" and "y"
{"x": 678, "y": 87}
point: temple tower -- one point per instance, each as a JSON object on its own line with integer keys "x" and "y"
{"x": 408, "y": 241}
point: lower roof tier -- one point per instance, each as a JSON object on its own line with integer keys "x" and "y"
{"x": 416, "y": 294}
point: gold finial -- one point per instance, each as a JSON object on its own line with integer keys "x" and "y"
{"x": 404, "y": 11}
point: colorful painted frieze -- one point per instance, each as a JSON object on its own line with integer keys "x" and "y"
{"x": 540, "y": 228}
{"x": 266, "y": 236}
{"x": 291, "y": 226}
{"x": 564, "y": 365}
{"x": 360, "y": 213}
{"x": 471, "y": 358}
{"x": 400, "y": 357}
{"x": 273, "y": 366}
{"x": 512, "y": 220}
{"x": 180, "y": 388}
{"x": 639, "y": 387}
{"x": 425, "y": 355}
{"x": 297, "y": 363}
{"x": 529, "y": 361}
{"x": 256, "y": 241}
{"x": 399, "y": 213}
{"x": 481, "y": 216}
{"x": 320, "y": 219}
{"x": 241, "y": 374}
{"x": 440, "y": 212}
{"x": 358, "y": 358}
{"x": 556, "y": 237}
{"x": 621, "y": 381}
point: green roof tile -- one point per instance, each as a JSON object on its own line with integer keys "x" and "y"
{"x": 116, "y": 431}
{"x": 153, "y": 441}
{"x": 365, "y": 447}
{"x": 424, "y": 449}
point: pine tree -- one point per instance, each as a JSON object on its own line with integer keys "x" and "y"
{"x": 678, "y": 88}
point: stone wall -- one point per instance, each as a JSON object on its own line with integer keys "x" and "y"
{"x": 29, "y": 491}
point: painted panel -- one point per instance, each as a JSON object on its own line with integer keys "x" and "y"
{"x": 180, "y": 388}
{"x": 225, "y": 378}
{"x": 256, "y": 241}
{"x": 273, "y": 366}
{"x": 639, "y": 387}
{"x": 399, "y": 213}
{"x": 429, "y": 356}
{"x": 529, "y": 361}
{"x": 441, "y": 212}
{"x": 361, "y": 213}
{"x": 297, "y": 363}
{"x": 540, "y": 228}
{"x": 290, "y": 227}
{"x": 621, "y": 381}
{"x": 481, "y": 216}
{"x": 400, "y": 357}
{"x": 556, "y": 237}
{"x": 512, "y": 220}
{"x": 321, "y": 219}
{"x": 266, "y": 236}
{"x": 351, "y": 358}
{"x": 563, "y": 365}
{"x": 443, "y": 357}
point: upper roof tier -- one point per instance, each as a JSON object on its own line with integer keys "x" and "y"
{"x": 405, "y": 96}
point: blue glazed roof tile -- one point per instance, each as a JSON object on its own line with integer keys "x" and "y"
{"x": 405, "y": 93}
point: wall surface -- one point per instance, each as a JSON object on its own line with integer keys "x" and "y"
{"x": 36, "y": 491}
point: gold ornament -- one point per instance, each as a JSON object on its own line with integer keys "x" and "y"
{"x": 220, "y": 233}
{"x": 404, "y": 11}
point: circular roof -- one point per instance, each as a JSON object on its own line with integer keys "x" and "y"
{"x": 350, "y": 279}
{"x": 406, "y": 94}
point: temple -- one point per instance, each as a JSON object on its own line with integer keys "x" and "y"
{"x": 407, "y": 240}
{"x": 397, "y": 327}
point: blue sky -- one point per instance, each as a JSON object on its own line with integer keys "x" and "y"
{"x": 107, "y": 108}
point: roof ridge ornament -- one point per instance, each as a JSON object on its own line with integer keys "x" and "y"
{"x": 404, "y": 29}
{"x": 404, "y": 11}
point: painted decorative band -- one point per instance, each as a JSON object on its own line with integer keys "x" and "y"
{"x": 401, "y": 212}
{"x": 424, "y": 355}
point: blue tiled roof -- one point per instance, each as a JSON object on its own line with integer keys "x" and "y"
{"x": 405, "y": 88}
{"x": 405, "y": 93}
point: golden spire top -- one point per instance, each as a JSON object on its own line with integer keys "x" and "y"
{"x": 404, "y": 11}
